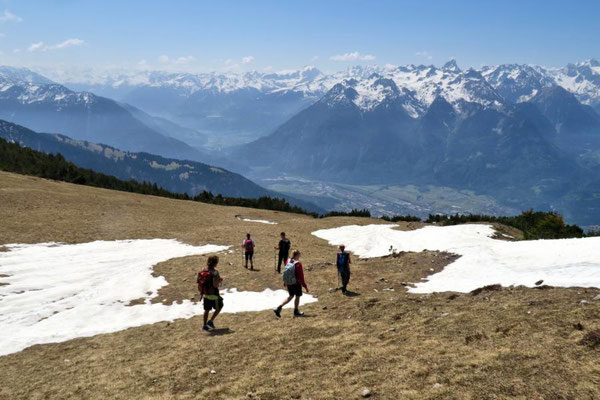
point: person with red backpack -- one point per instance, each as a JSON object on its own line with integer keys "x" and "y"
{"x": 293, "y": 279}
{"x": 249, "y": 246}
{"x": 208, "y": 281}
{"x": 343, "y": 266}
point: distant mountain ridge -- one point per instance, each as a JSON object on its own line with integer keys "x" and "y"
{"x": 174, "y": 175}
{"x": 240, "y": 107}
{"x": 29, "y": 99}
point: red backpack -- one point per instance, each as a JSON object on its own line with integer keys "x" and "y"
{"x": 204, "y": 279}
{"x": 249, "y": 245}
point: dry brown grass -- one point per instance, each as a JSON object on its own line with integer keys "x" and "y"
{"x": 508, "y": 343}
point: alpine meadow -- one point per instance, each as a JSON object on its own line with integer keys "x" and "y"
{"x": 300, "y": 200}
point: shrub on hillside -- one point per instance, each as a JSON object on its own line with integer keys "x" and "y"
{"x": 353, "y": 213}
{"x": 533, "y": 224}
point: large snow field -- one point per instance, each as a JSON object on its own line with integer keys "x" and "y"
{"x": 483, "y": 261}
{"x": 55, "y": 292}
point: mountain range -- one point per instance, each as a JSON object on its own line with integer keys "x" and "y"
{"x": 527, "y": 135}
{"x": 239, "y": 107}
{"x": 29, "y": 99}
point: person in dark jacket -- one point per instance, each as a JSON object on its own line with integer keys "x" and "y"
{"x": 343, "y": 266}
{"x": 294, "y": 290}
{"x": 284, "y": 251}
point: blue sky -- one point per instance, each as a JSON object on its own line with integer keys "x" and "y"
{"x": 243, "y": 35}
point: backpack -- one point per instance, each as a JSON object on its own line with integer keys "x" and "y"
{"x": 289, "y": 273}
{"x": 342, "y": 260}
{"x": 204, "y": 280}
{"x": 249, "y": 245}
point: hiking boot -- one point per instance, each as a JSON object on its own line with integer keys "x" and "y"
{"x": 277, "y": 312}
{"x": 210, "y": 324}
{"x": 298, "y": 313}
{"x": 206, "y": 328}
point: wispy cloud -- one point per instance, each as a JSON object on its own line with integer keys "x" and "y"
{"x": 8, "y": 16}
{"x": 424, "y": 54}
{"x": 177, "y": 62}
{"x": 67, "y": 43}
{"x": 354, "y": 56}
{"x": 40, "y": 46}
{"x": 184, "y": 60}
{"x": 247, "y": 59}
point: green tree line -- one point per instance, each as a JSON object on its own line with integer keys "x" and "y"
{"x": 23, "y": 160}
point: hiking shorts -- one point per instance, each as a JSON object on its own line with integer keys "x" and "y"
{"x": 249, "y": 255}
{"x": 295, "y": 290}
{"x": 213, "y": 304}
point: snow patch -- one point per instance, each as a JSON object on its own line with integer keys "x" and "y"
{"x": 52, "y": 292}
{"x": 262, "y": 221}
{"x": 483, "y": 261}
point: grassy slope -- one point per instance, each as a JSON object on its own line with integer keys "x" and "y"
{"x": 396, "y": 344}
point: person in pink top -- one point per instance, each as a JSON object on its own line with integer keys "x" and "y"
{"x": 293, "y": 277}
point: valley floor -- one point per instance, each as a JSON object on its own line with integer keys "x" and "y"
{"x": 509, "y": 343}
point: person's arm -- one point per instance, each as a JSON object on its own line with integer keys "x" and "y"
{"x": 300, "y": 276}
{"x": 217, "y": 279}
{"x": 349, "y": 260}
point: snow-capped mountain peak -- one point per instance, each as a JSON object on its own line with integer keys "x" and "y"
{"x": 373, "y": 92}
{"x": 451, "y": 66}
{"x": 16, "y": 74}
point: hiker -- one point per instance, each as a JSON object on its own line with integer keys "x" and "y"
{"x": 249, "y": 246}
{"x": 293, "y": 279}
{"x": 343, "y": 266}
{"x": 284, "y": 251}
{"x": 209, "y": 280}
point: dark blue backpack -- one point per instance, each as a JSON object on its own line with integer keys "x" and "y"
{"x": 342, "y": 261}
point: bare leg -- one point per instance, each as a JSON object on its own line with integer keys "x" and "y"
{"x": 296, "y": 302}
{"x": 286, "y": 301}
{"x": 206, "y": 312}
{"x": 217, "y": 311}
